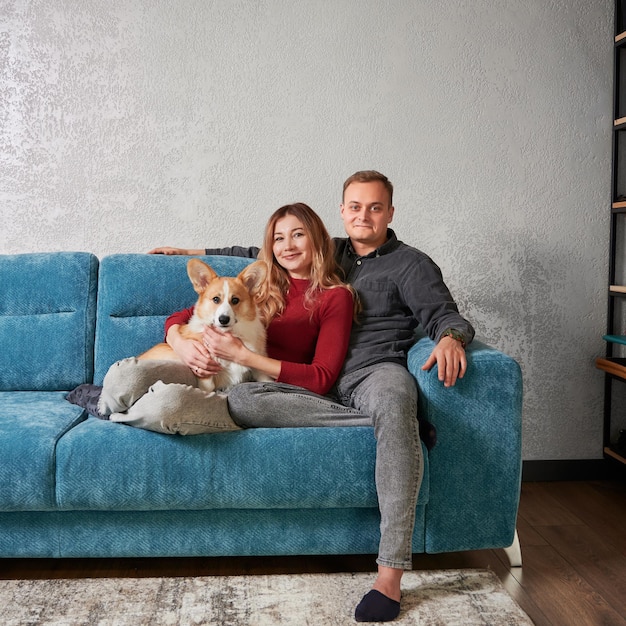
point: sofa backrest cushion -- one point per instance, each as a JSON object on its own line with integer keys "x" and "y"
{"x": 136, "y": 294}
{"x": 47, "y": 320}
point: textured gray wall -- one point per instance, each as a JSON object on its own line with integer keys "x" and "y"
{"x": 128, "y": 124}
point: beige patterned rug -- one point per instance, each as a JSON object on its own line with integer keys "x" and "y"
{"x": 446, "y": 597}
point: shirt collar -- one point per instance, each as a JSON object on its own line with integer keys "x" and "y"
{"x": 389, "y": 245}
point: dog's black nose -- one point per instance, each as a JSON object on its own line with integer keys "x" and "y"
{"x": 224, "y": 320}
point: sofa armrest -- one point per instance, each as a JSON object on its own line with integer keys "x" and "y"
{"x": 475, "y": 468}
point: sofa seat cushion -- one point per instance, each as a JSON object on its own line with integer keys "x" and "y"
{"x": 107, "y": 466}
{"x": 31, "y": 424}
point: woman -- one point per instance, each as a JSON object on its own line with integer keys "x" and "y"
{"x": 310, "y": 314}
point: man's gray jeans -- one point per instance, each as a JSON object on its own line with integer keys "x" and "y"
{"x": 383, "y": 396}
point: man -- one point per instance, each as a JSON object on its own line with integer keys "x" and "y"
{"x": 399, "y": 288}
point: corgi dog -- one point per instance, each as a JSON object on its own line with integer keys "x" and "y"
{"x": 228, "y": 305}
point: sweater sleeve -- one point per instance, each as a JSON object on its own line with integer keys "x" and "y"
{"x": 335, "y": 315}
{"x": 250, "y": 253}
{"x": 180, "y": 317}
{"x": 428, "y": 297}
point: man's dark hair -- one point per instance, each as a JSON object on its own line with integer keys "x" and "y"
{"x": 370, "y": 176}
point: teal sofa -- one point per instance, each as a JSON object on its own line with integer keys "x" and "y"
{"x": 73, "y": 485}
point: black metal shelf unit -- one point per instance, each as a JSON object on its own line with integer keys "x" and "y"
{"x": 614, "y": 365}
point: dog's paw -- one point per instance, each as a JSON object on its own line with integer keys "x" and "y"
{"x": 206, "y": 384}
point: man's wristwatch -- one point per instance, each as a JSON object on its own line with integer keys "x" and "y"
{"x": 455, "y": 334}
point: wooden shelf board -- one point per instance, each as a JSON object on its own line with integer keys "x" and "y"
{"x": 608, "y": 451}
{"x": 620, "y": 122}
{"x": 620, "y": 38}
{"x": 615, "y": 366}
{"x": 617, "y": 288}
{"x": 621, "y": 204}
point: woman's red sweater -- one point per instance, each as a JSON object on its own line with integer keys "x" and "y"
{"x": 311, "y": 346}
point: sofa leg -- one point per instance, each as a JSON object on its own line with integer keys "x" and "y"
{"x": 514, "y": 552}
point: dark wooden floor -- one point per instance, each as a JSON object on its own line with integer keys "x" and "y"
{"x": 573, "y": 537}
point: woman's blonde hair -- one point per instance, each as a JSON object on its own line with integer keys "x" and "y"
{"x": 271, "y": 296}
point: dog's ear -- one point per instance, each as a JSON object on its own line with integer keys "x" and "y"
{"x": 200, "y": 274}
{"x": 253, "y": 276}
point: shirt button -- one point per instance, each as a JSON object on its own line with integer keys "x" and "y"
{"x": 358, "y": 262}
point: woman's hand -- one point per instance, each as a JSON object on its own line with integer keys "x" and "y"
{"x": 193, "y": 354}
{"x": 224, "y": 346}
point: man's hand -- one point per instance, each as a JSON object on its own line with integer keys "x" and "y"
{"x": 169, "y": 251}
{"x": 449, "y": 355}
